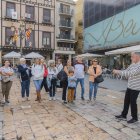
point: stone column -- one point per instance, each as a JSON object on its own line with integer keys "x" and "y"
{"x": 69, "y": 56}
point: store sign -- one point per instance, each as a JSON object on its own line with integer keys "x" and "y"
{"x": 121, "y": 29}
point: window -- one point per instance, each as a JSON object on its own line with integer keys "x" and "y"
{"x": 65, "y": 8}
{"x": 10, "y": 7}
{"x": 47, "y": 15}
{"x": 46, "y": 39}
{"x": 31, "y": 41}
{"x": 8, "y": 36}
{"x": 30, "y": 12}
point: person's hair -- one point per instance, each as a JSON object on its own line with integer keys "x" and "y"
{"x": 71, "y": 71}
{"x": 95, "y": 59}
{"x": 22, "y": 59}
{"x": 51, "y": 62}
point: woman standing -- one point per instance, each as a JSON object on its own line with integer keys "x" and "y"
{"x": 94, "y": 71}
{"x": 64, "y": 83}
{"x": 7, "y": 74}
{"x": 52, "y": 78}
{"x": 38, "y": 73}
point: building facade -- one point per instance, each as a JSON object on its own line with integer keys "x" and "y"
{"x": 111, "y": 24}
{"x": 36, "y": 15}
{"x": 64, "y": 29}
{"x": 79, "y": 26}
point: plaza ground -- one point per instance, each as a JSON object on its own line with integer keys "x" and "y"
{"x": 52, "y": 120}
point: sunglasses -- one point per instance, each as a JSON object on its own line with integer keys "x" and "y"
{"x": 95, "y": 61}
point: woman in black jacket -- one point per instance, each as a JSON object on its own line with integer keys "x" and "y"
{"x": 25, "y": 75}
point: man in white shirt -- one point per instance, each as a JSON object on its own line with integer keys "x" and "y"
{"x": 59, "y": 65}
{"x": 80, "y": 75}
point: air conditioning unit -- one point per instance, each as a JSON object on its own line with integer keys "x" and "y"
{"x": 27, "y": 15}
{"x": 14, "y": 15}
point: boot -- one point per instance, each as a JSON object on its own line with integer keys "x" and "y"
{"x": 37, "y": 98}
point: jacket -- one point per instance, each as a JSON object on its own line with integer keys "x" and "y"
{"x": 24, "y": 75}
{"x": 91, "y": 72}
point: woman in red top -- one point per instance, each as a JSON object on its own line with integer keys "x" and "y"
{"x": 44, "y": 82}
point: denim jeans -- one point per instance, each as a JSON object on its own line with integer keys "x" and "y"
{"x": 81, "y": 80}
{"x": 91, "y": 87}
{"x": 25, "y": 85}
{"x": 52, "y": 88}
{"x": 37, "y": 84}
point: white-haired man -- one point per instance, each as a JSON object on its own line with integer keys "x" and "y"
{"x": 133, "y": 89}
{"x": 25, "y": 74}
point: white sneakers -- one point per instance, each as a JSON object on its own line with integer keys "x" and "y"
{"x": 52, "y": 98}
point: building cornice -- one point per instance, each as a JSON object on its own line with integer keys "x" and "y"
{"x": 67, "y": 2}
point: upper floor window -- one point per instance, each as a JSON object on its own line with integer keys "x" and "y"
{"x": 46, "y": 39}
{"x": 10, "y": 7}
{"x": 30, "y": 12}
{"x": 64, "y": 8}
{"x": 9, "y": 36}
{"x": 47, "y": 15}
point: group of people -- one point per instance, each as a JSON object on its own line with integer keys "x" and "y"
{"x": 67, "y": 76}
{"x": 50, "y": 76}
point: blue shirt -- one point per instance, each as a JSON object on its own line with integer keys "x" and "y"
{"x": 72, "y": 82}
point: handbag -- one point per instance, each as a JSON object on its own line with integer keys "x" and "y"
{"x": 99, "y": 79}
{"x": 62, "y": 76}
{"x": 6, "y": 79}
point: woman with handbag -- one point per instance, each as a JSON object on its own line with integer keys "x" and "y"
{"x": 6, "y": 82}
{"x": 94, "y": 71}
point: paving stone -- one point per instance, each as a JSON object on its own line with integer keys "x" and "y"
{"x": 131, "y": 133}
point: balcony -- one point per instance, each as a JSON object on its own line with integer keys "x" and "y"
{"x": 64, "y": 24}
{"x": 66, "y": 12}
{"x": 65, "y": 38}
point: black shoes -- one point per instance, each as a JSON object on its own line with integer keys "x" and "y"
{"x": 83, "y": 98}
{"x": 132, "y": 121}
{"x": 120, "y": 117}
{"x": 65, "y": 102}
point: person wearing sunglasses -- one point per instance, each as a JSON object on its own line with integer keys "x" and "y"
{"x": 93, "y": 71}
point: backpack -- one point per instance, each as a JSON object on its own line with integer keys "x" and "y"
{"x": 62, "y": 76}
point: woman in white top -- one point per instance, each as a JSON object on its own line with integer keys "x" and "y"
{"x": 7, "y": 74}
{"x": 52, "y": 78}
{"x": 38, "y": 72}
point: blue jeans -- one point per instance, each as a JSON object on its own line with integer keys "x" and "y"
{"x": 91, "y": 86}
{"x": 81, "y": 80}
{"x": 52, "y": 88}
{"x": 25, "y": 85}
{"x": 37, "y": 84}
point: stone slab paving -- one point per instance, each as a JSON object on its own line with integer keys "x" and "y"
{"x": 102, "y": 113}
{"x": 48, "y": 120}
{"x": 52, "y": 120}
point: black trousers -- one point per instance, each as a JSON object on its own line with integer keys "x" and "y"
{"x": 52, "y": 88}
{"x": 131, "y": 99}
{"x": 64, "y": 86}
{"x": 44, "y": 83}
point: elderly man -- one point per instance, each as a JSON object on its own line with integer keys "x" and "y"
{"x": 25, "y": 74}
{"x": 133, "y": 89}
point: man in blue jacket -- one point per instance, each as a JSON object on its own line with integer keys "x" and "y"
{"x": 25, "y": 75}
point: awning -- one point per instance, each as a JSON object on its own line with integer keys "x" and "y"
{"x": 12, "y": 55}
{"x": 126, "y": 50}
{"x": 88, "y": 55}
{"x": 33, "y": 55}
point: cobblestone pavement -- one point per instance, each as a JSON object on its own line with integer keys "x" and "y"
{"x": 51, "y": 120}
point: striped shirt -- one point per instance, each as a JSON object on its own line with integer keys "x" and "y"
{"x": 133, "y": 75}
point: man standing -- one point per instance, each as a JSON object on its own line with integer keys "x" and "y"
{"x": 25, "y": 74}
{"x": 59, "y": 65}
{"x": 133, "y": 89}
{"x": 80, "y": 75}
